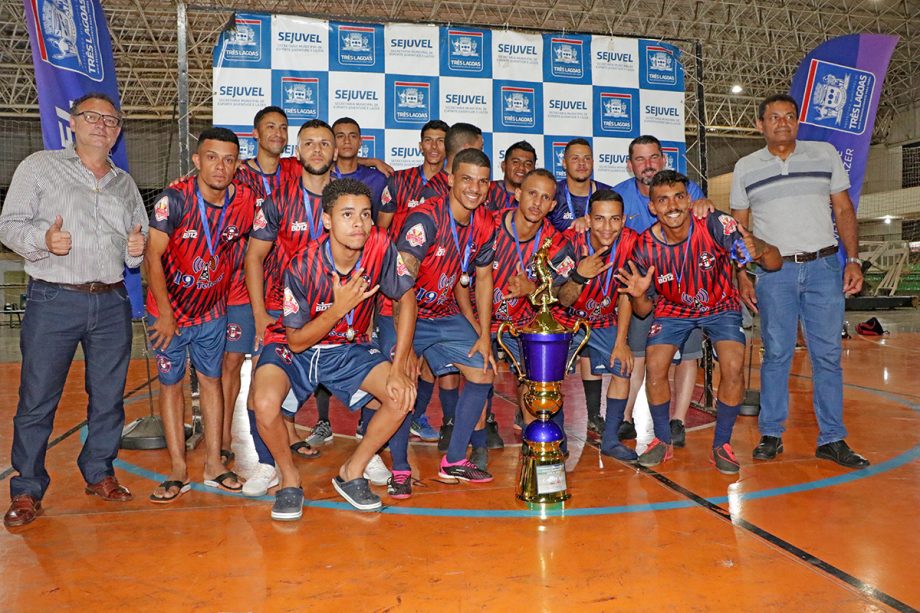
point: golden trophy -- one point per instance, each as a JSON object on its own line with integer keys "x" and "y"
{"x": 544, "y": 344}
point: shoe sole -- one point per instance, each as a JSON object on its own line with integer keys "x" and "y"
{"x": 822, "y": 456}
{"x": 399, "y": 496}
{"x": 679, "y": 443}
{"x": 729, "y": 472}
{"x": 444, "y": 475}
{"x": 90, "y": 492}
{"x": 293, "y": 516}
{"x": 273, "y": 483}
{"x": 353, "y": 502}
{"x": 761, "y": 456}
{"x": 429, "y": 439}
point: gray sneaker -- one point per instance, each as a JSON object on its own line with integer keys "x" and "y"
{"x": 288, "y": 504}
{"x": 357, "y": 493}
{"x": 656, "y": 453}
{"x": 322, "y": 434}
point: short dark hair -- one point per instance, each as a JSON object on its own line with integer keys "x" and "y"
{"x": 75, "y": 105}
{"x": 574, "y": 142}
{"x": 345, "y": 120}
{"x": 645, "y": 139}
{"x": 315, "y": 123}
{"x": 459, "y": 136}
{"x": 343, "y": 187}
{"x": 540, "y": 172}
{"x": 221, "y": 134}
{"x": 435, "y": 124}
{"x": 604, "y": 195}
{"x": 762, "y": 108}
{"x": 265, "y": 111}
{"x": 668, "y": 177}
{"x": 471, "y": 156}
{"x": 524, "y": 146}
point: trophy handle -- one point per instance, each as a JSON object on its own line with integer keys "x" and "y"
{"x": 581, "y": 323}
{"x": 507, "y": 325}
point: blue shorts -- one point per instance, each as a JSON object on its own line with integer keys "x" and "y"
{"x": 339, "y": 368}
{"x": 241, "y": 329}
{"x": 203, "y": 342}
{"x": 725, "y": 326}
{"x": 638, "y": 338}
{"x": 443, "y": 342}
{"x": 598, "y": 351}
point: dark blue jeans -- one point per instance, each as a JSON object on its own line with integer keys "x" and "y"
{"x": 55, "y": 322}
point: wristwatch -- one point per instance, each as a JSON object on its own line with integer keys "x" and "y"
{"x": 856, "y": 261}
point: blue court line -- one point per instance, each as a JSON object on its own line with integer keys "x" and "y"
{"x": 896, "y": 462}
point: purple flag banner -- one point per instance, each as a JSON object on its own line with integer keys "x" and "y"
{"x": 837, "y": 87}
{"x": 72, "y": 55}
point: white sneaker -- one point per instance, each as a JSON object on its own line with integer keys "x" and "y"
{"x": 377, "y": 472}
{"x": 263, "y": 478}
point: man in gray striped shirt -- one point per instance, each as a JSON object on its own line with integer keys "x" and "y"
{"x": 77, "y": 220}
{"x": 789, "y": 189}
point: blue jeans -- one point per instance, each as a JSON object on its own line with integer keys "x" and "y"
{"x": 811, "y": 292}
{"x": 55, "y": 322}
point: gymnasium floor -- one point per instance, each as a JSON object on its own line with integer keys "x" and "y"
{"x": 796, "y": 534}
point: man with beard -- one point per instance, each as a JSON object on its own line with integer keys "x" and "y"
{"x": 573, "y": 192}
{"x": 192, "y": 228}
{"x": 520, "y": 159}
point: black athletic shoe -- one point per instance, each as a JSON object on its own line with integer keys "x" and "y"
{"x": 596, "y": 426}
{"x": 678, "y": 433}
{"x": 493, "y": 438}
{"x": 627, "y": 431}
{"x": 447, "y": 429}
{"x": 768, "y": 448}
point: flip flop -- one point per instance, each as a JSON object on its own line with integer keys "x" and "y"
{"x": 218, "y": 482}
{"x": 296, "y": 448}
{"x": 166, "y": 485}
{"x": 227, "y": 456}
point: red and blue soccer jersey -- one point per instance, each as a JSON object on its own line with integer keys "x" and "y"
{"x": 284, "y": 220}
{"x": 375, "y": 181}
{"x": 435, "y": 187}
{"x": 597, "y": 301}
{"x": 694, "y": 277}
{"x": 499, "y": 198}
{"x": 402, "y": 193}
{"x": 308, "y": 287}
{"x": 427, "y": 236}
{"x": 197, "y": 279}
{"x": 509, "y": 257}
{"x": 570, "y": 207}
{"x": 262, "y": 186}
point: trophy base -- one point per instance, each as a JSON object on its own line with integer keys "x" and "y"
{"x": 542, "y": 478}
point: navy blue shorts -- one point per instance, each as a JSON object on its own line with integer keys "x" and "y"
{"x": 339, "y": 368}
{"x": 598, "y": 351}
{"x": 203, "y": 342}
{"x": 725, "y": 326}
{"x": 638, "y": 338}
{"x": 443, "y": 342}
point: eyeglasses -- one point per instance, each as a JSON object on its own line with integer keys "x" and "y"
{"x": 110, "y": 121}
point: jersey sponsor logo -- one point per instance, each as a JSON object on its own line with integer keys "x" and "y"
{"x": 595, "y": 308}
{"x": 440, "y": 252}
{"x": 299, "y": 226}
{"x": 565, "y": 267}
{"x": 206, "y": 270}
{"x": 837, "y": 97}
{"x": 300, "y": 97}
{"x": 357, "y": 46}
{"x": 413, "y": 102}
{"x": 707, "y": 261}
{"x": 567, "y": 58}
{"x": 661, "y": 65}
{"x": 290, "y": 305}
{"x": 164, "y": 365}
{"x": 415, "y": 235}
{"x": 616, "y": 112}
{"x": 244, "y": 41}
{"x": 698, "y": 302}
{"x": 323, "y": 306}
{"x": 464, "y": 51}
{"x": 190, "y": 234}
{"x": 401, "y": 269}
{"x": 729, "y": 224}
{"x": 666, "y": 278}
{"x": 259, "y": 222}
{"x": 518, "y": 107}
{"x": 69, "y": 36}
{"x": 234, "y": 332}
{"x": 161, "y": 209}
{"x": 285, "y": 354}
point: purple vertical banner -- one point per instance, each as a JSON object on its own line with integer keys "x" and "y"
{"x": 837, "y": 87}
{"x": 72, "y": 55}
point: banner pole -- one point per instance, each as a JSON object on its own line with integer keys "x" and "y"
{"x": 182, "y": 53}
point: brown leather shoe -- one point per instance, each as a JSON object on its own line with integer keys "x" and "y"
{"x": 23, "y": 510}
{"x": 110, "y": 490}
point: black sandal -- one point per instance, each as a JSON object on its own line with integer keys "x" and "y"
{"x": 226, "y": 456}
{"x": 297, "y": 447}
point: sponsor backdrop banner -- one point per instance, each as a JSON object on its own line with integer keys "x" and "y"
{"x": 543, "y": 88}
{"x": 72, "y": 54}
{"x": 837, "y": 87}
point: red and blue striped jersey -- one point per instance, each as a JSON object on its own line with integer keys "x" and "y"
{"x": 197, "y": 281}
{"x": 693, "y": 278}
{"x": 308, "y": 287}
{"x": 284, "y": 220}
{"x": 427, "y": 236}
{"x": 436, "y": 186}
{"x": 403, "y": 193}
{"x": 499, "y": 198}
{"x": 597, "y": 301}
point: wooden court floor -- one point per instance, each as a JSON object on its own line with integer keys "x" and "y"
{"x": 796, "y": 534}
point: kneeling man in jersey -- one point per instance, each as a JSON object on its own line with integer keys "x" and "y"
{"x": 321, "y": 339}
{"x": 687, "y": 263}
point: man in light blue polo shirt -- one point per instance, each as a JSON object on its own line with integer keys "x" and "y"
{"x": 789, "y": 190}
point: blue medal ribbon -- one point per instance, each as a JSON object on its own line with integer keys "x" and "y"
{"x": 683, "y": 264}
{"x": 517, "y": 243}
{"x": 262, "y": 175}
{"x": 568, "y": 197}
{"x": 465, "y": 258}
{"x": 203, "y": 215}
{"x": 610, "y": 257}
{"x": 350, "y": 315}
{"x": 315, "y": 232}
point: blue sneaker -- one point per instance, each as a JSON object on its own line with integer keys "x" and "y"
{"x": 422, "y": 428}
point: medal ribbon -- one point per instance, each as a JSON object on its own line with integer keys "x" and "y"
{"x": 350, "y": 315}
{"x": 465, "y": 258}
{"x": 610, "y": 256}
{"x": 263, "y": 176}
{"x": 315, "y": 232}
{"x": 203, "y": 215}
{"x": 568, "y": 197}
{"x": 517, "y": 243}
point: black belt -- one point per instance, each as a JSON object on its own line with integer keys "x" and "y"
{"x": 94, "y": 287}
{"x": 799, "y": 258}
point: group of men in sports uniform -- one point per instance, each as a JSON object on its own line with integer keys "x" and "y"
{"x": 340, "y": 280}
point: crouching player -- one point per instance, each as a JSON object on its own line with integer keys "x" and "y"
{"x": 322, "y": 338}
{"x": 591, "y": 294}
{"x": 687, "y": 263}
